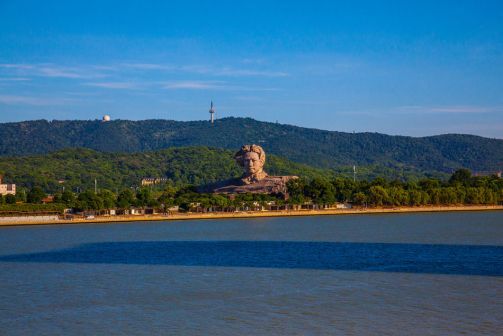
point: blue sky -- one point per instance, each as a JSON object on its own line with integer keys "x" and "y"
{"x": 396, "y": 67}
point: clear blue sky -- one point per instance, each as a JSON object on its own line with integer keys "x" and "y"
{"x": 397, "y": 67}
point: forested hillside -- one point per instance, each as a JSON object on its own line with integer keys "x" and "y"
{"x": 323, "y": 149}
{"x": 76, "y": 169}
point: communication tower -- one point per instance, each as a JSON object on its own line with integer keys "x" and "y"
{"x": 212, "y": 113}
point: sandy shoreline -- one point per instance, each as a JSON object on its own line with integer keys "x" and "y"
{"x": 253, "y": 214}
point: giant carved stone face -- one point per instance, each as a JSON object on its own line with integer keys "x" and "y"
{"x": 252, "y": 159}
{"x": 252, "y": 163}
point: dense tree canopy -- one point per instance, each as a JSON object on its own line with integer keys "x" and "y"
{"x": 36, "y": 195}
{"x": 77, "y": 169}
{"x": 399, "y": 155}
{"x": 319, "y": 191}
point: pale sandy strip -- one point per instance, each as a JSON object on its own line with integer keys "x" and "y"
{"x": 251, "y": 214}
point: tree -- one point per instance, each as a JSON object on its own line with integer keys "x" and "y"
{"x": 36, "y": 195}
{"x": 415, "y": 197}
{"x": 68, "y": 198}
{"x": 10, "y": 199}
{"x": 57, "y": 198}
{"x": 320, "y": 191}
{"x": 295, "y": 189}
{"x": 489, "y": 196}
{"x": 344, "y": 188}
{"x": 397, "y": 196}
{"x": 461, "y": 176}
{"x": 499, "y": 196}
{"x": 425, "y": 198}
{"x": 435, "y": 195}
{"x": 21, "y": 195}
{"x": 360, "y": 198}
{"x": 377, "y": 195}
{"x": 108, "y": 198}
{"x": 379, "y": 181}
{"x": 143, "y": 197}
{"x": 219, "y": 201}
{"x": 448, "y": 196}
{"x": 167, "y": 198}
{"x": 89, "y": 200}
{"x": 125, "y": 199}
{"x": 429, "y": 184}
{"x": 474, "y": 195}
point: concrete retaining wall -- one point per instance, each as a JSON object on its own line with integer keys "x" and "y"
{"x": 23, "y": 219}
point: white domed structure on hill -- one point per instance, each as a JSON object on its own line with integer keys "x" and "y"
{"x": 106, "y": 118}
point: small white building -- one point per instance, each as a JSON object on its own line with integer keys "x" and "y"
{"x": 6, "y": 189}
{"x": 343, "y": 206}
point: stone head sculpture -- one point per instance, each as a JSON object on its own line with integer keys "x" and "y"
{"x": 252, "y": 159}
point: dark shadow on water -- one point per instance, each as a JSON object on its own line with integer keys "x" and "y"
{"x": 410, "y": 258}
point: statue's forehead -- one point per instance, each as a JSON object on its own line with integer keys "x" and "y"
{"x": 251, "y": 155}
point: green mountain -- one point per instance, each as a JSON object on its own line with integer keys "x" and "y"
{"x": 78, "y": 168}
{"x": 322, "y": 149}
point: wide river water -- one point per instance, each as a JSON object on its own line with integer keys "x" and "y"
{"x": 399, "y": 274}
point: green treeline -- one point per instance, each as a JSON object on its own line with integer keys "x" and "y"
{"x": 461, "y": 188}
{"x": 185, "y": 197}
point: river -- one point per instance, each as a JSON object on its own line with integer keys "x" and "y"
{"x": 402, "y": 274}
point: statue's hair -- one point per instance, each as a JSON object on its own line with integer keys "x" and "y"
{"x": 239, "y": 156}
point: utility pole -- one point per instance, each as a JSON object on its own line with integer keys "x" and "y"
{"x": 354, "y": 173}
{"x": 95, "y": 186}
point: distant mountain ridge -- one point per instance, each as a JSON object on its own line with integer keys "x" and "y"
{"x": 318, "y": 148}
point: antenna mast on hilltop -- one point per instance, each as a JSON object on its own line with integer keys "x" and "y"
{"x": 212, "y": 112}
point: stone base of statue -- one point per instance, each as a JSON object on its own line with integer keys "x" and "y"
{"x": 275, "y": 185}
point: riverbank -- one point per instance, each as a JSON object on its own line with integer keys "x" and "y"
{"x": 250, "y": 214}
